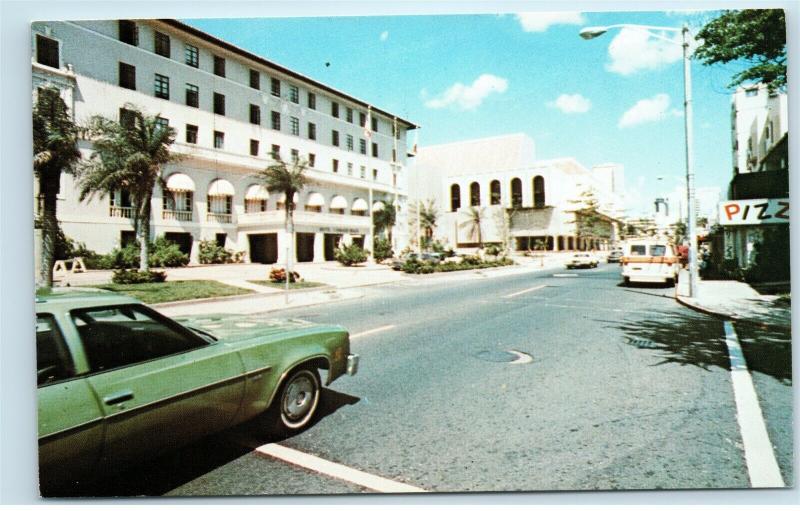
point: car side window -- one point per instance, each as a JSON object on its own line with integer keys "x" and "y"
{"x": 120, "y": 335}
{"x": 53, "y": 362}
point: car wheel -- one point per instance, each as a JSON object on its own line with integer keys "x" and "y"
{"x": 671, "y": 282}
{"x": 296, "y": 401}
{"x": 626, "y": 281}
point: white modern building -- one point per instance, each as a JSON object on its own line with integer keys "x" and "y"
{"x": 232, "y": 110}
{"x": 525, "y": 203}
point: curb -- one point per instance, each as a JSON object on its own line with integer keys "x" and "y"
{"x": 730, "y": 317}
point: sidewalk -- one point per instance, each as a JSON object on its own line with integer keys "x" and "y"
{"x": 734, "y": 300}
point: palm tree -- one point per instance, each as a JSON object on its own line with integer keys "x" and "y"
{"x": 428, "y": 215}
{"x": 474, "y": 219}
{"x": 55, "y": 150}
{"x": 289, "y": 178}
{"x": 384, "y": 220}
{"x": 129, "y": 156}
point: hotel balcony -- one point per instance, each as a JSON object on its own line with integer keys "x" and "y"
{"x": 120, "y": 211}
{"x": 222, "y": 218}
{"x": 176, "y": 214}
{"x": 274, "y": 217}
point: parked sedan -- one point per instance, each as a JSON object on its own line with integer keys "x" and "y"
{"x": 583, "y": 260}
{"x": 614, "y": 256}
{"x": 119, "y": 382}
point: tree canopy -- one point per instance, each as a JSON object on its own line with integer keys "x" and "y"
{"x": 756, "y": 36}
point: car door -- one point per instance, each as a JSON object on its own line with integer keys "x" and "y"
{"x": 159, "y": 385}
{"x": 70, "y": 419}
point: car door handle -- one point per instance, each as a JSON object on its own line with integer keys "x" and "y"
{"x": 118, "y": 397}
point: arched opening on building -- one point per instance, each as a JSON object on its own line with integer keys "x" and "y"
{"x": 338, "y": 205}
{"x": 474, "y": 194}
{"x": 561, "y": 243}
{"x": 516, "y": 193}
{"x": 538, "y": 192}
{"x": 455, "y": 197}
{"x": 494, "y": 193}
{"x": 219, "y": 206}
{"x": 314, "y": 202}
{"x": 255, "y": 199}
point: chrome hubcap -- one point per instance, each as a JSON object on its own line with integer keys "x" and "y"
{"x": 299, "y": 398}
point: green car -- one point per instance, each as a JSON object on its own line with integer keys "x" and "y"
{"x": 119, "y": 382}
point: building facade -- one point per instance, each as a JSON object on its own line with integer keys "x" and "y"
{"x": 232, "y": 110}
{"x": 523, "y": 203}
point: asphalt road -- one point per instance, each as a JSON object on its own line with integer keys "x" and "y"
{"x": 613, "y": 388}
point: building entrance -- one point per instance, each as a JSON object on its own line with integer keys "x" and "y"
{"x": 263, "y": 248}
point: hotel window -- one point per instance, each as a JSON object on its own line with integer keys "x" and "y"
{"x": 374, "y": 174}
{"x": 221, "y": 204}
{"x": 219, "y": 140}
{"x": 294, "y": 124}
{"x": 127, "y": 76}
{"x": 363, "y": 172}
{"x": 275, "y": 85}
{"x": 362, "y": 146}
{"x": 162, "y": 123}
{"x": 191, "y": 55}
{"x": 335, "y": 109}
{"x": 455, "y": 197}
{"x": 349, "y": 169}
{"x": 276, "y": 120}
{"x": 128, "y": 32}
{"x": 494, "y": 193}
{"x": 295, "y": 155}
{"x": 275, "y": 152}
{"x": 394, "y": 155}
{"x": 375, "y": 149}
{"x": 161, "y": 44}
{"x": 374, "y": 124}
{"x": 312, "y": 101}
{"x": 312, "y": 131}
{"x": 516, "y": 193}
{"x": 362, "y": 119}
{"x": 191, "y": 134}
{"x": 538, "y": 192}
{"x": 312, "y": 160}
{"x": 474, "y": 194}
{"x": 255, "y": 79}
{"x": 219, "y": 66}
{"x": 47, "y": 51}
{"x": 253, "y": 147}
{"x": 192, "y": 95}
{"x": 162, "y": 86}
{"x": 349, "y": 114}
{"x": 127, "y": 118}
{"x": 255, "y": 114}
{"x": 177, "y": 201}
{"x": 335, "y": 138}
{"x": 294, "y": 94}
{"x": 219, "y": 103}
{"x": 335, "y": 166}
{"x": 349, "y": 142}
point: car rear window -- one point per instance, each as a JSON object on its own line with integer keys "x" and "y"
{"x": 658, "y": 250}
{"x": 638, "y": 249}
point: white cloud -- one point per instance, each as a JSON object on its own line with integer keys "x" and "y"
{"x": 468, "y": 97}
{"x": 541, "y": 21}
{"x": 634, "y": 50}
{"x": 384, "y": 35}
{"x": 648, "y": 110}
{"x": 571, "y": 104}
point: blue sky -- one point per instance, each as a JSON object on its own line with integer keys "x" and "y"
{"x": 617, "y": 98}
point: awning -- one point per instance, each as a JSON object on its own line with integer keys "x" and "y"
{"x": 220, "y": 187}
{"x": 359, "y": 205}
{"x": 338, "y": 202}
{"x": 178, "y": 182}
{"x": 315, "y": 199}
{"x": 378, "y": 205}
{"x": 282, "y": 198}
{"x": 256, "y": 192}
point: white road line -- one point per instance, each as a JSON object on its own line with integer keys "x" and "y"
{"x": 373, "y": 331}
{"x": 336, "y": 470}
{"x": 758, "y": 453}
{"x": 565, "y": 275}
{"x": 512, "y": 295}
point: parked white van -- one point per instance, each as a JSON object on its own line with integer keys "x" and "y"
{"x": 650, "y": 260}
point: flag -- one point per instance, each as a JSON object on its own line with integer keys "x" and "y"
{"x": 368, "y": 124}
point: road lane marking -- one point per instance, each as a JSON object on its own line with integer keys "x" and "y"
{"x": 373, "y": 331}
{"x": 336, "y": 470}
{"x": 565, "y": 275}
{"x": 512, "y": 295}
{"x": 759, "y": 455}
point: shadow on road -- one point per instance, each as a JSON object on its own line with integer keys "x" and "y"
{"x": 176, "y": 468}
{"x": 687, "y": 338}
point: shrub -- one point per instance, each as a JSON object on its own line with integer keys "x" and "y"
{"x": 382, "y": 249}
{"x": 493, "y": 249}
{"x": 351, "y": 254}
{"x": 163, "y": 253}
{"x": 279, "y": 275}
{"x": 137, "y": 277}
{"x": 472, "y": 260}
{"x": 212, "y": 253}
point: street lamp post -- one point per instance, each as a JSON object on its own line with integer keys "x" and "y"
{"x": 591, "y": 33}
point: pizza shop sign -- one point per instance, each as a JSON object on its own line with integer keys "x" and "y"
{"x": 754, "y": 212}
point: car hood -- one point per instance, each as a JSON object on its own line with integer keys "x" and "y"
{"x": 236, "y": 327}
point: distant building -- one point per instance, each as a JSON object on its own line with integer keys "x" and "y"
{"x": 232, "y": 111}
{"x": 524, "y": 202}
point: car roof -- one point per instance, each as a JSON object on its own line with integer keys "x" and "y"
{"x": 73, "y": 297}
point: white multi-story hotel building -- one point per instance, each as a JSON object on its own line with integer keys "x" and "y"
{"x": 232, "y": 110}
{"x": 524, "y": 201}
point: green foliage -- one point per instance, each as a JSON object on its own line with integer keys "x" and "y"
{"x": 468, "y": 262}
{"x": 382, "y": 248}
{"x": 349, "y": 255}
{"x": 162, "y": 253}
{"x": 137, "y": 277}
{"x": 493, "y": 249}
{"x": 278, "y": 274}
{"x": 384, "y": 219}
{"x": 211, "y": 253}
{"x": 754, "y": 36}
{"x": 770, "y": 262}
{"x": 474, "y": 220}
{"x": 172, "y": 291}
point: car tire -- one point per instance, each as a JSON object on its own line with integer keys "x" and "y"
{"x": 626, "y": 281}
{"x": 296, "y": 401}
{"x": 671, "y": 282}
